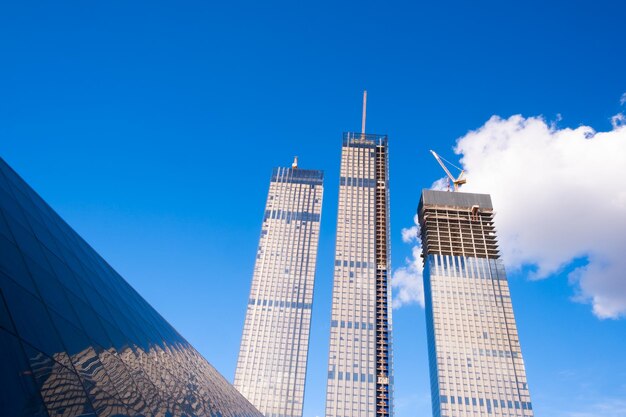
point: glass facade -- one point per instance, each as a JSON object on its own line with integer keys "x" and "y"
{"x": 360, "y": 379}
{"x": 476, "y": 365}
{"x": 77, "y": 340}
{"x": 271, "y": 369}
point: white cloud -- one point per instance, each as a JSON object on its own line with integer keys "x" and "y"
{"x": 411, "y": 234}
{"x": 622, "y": 99}
{"x": 618, "y": 120}
{"x": 442, "y": 184}
{"x": 407, "y": 280}
{"x": 559, "y": 196}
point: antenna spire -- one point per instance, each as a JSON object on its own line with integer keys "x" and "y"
{"x": 294, "y": 165}
{"x": 364, "y": 112}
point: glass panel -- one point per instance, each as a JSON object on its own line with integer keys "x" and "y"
{"x": 19, "y": 395}
{"x": 122, "y": 381}
{"x": 5, "y": 319}
{"x": 100, "y": 390}
{"x": 4, "y": 228}
{"x": 27, "y": 243}
{"x": 12, "y": 264}
{"x": 61, "y": 389}
{"x": 31, "y": 318}
{"x": 73, "y": 337}
{"x": 43, "y": 235}
{"x": 90, "y": 322}
{"x": 63, "y": 273}
{"x": 12, "y": 211}
{"x": 52, "y": 291}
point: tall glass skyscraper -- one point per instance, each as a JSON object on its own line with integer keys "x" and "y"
{"x": 271, "y": 368}
{"x": 476, "y": 365}
{"x": 360, "y": 378}
{"x": 77, "y": 340}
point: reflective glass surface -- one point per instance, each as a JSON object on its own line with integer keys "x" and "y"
{"x": 77, "y": 340}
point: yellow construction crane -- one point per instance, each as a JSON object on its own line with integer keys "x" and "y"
{"x": 456, "y": 181}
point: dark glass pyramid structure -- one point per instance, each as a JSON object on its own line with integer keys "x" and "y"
{"x": 77, "y": 340}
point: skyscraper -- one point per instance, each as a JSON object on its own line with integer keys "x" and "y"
{"x": 476, "y": 365}
{"x": 271, "y": 368}
{"x": 360, "y": 360}
{"x": 77, "y": 340}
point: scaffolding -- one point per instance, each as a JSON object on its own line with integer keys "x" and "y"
{"x": 459, "y": 231}
{"x": 383, "y": 342}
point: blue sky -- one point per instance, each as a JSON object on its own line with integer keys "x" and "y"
{"x": 153, "y": 127}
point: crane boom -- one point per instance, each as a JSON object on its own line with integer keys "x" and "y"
{"x": 456, "y": 181}
{"x": 443, "y": 165}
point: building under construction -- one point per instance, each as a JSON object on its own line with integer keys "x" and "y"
{"x": 476, "y": 365}
{"x": 360, "y": 378}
